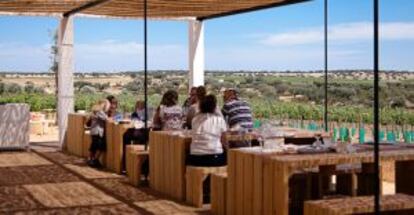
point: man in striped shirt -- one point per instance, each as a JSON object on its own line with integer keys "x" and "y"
{"x": 236, "y": 112}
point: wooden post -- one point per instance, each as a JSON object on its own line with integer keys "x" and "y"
{"x": 196, "y": 53}
{"x": 65, "y": 75}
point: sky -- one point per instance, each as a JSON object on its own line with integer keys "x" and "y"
{"x": 283, "y": 38}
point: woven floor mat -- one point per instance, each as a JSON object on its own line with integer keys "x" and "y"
{"x": 11, "y": 176}
{"x": 69, "y": 194}
{"x": 116, "y": 209}
{"x": 168, "y": 207}
{"x": 90, "y": 173}
{"x": 14, "y": 159}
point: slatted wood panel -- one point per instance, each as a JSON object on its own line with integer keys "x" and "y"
{"x": 360, "y": 205}
{"x": 167, "y": 154}
{"x": 135, "y": 157}
{"x": 75, "y": 134}
{"x": 109, "y": 132}
{"x": 249, "y": 174}
{"x": 219, "y": 194}
{"x": 195, "y": 176}
{"x": 118, "y": 149}
{"x": 272, "y": 173}
{"x": 134, "y": 8}
{"x": 114, "y": 143}
{"x": 285, "y": 165}
{"x": 86, "y": 144}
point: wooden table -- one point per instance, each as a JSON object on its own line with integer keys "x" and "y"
{"x": 282, "y": 168}
{"x": 361, "y": 205}
{"x": 114, "y": 145}
{"x": 258, "y": 183}
{"x": 167, "y": 154}
{"x": 247, "y": 172}
{"x": 302, "y": 133}
{"x": 75, "y": 134}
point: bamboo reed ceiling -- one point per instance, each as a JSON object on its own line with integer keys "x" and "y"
{"x": 134, "y": 8}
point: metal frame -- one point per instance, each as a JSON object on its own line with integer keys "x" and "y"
{"x": 326, "y": 64}
{"x": 252, "y": 9}
{"x": 375, "y": 70}
{"x": 146, "y": 67}
{"x": 376, "y": 106}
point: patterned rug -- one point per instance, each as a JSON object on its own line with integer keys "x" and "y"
{"x": 51, "y": 182}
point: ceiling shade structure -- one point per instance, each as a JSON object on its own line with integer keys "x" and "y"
{"x": 162, "y": 9}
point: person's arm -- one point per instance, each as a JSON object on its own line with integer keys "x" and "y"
{"x": 101, "y": 115}
{"x": 134, "y": 115}
{"x": 223, "y": 134}
{"x": 224, "y": 110}
{"x": 190, "y": 116}
{"x": 157, "y": 118}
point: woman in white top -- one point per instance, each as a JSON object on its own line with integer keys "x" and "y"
{"x": 207, "y": 127}
{"x": 169, "y": 115}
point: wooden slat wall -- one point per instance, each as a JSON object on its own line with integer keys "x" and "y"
{"x": 134, "y": 8}
{"x": 75, "y": 134}
{"x": 167, "y": 154}
{"x": 118, "y": 149}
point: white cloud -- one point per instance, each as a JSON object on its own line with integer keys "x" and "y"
{"x": 342, "y": 33}
{"x": 112, "y": 55}
{"x": 24, "y": 57}
{"x": 107, "y": 55}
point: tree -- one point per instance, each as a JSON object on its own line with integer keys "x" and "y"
{"x": 13, "y": 88}
{"x": 2, "y": 87}
{"x": 54, "y": 56}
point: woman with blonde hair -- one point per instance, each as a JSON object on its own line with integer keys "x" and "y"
{"x": 97, "y": 129}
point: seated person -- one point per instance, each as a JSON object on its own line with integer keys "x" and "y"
{"x": 200, "y": 93}
{"x": 113, "y": 109}
{"x": 139, "y": 111}
{"x": 206, "y": 148}
{"x": 237, "y": 112}
{"x": 168, "y": 115}
{"x": 136, "y": 135}
{"x": 192, "y": 99}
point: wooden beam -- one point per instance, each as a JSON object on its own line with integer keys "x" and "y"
{"x": 252, "y": 9}
{"x": 84, "y": 7}
{"x": 66, "y": 69}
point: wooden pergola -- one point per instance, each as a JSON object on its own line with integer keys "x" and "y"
{"x": 165, "y": 9}
{"x": 195, "y": 12}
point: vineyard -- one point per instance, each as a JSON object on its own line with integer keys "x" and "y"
{"x": 263, "y": 108}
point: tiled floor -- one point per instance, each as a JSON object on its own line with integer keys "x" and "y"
{"x": 50, "y": 182}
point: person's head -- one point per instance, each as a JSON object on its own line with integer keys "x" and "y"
{"x": 193, "y": 91}
{"x": 139, "y": 105}
{"x": 113, "y": 101}
{"x": 201, "y": 93}
{"x": 193, "y": 95}
{"x": 229, "y": 94}
{"x": 170, "y": 98}
{"x": 208, "y": 104}
{"x": 101, "y": 105}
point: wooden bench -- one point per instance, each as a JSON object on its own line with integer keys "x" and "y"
{"x": 390, "y": 204}
{"x": 351, "y": 180}
{"x": 218, "y": 193}
{"x": 195, "y": 177}
{"x": 135, "y": 158}
{"x": 86, "y": 144}
{"x": 346, "y": 180}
